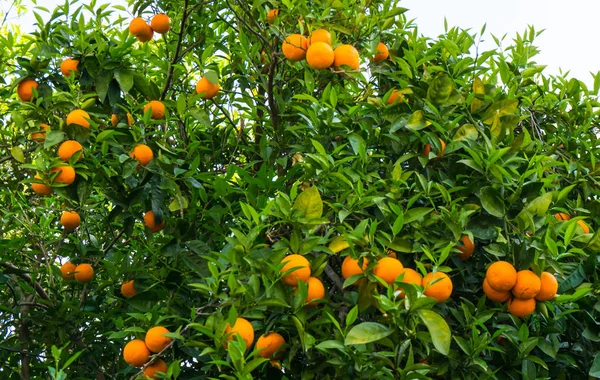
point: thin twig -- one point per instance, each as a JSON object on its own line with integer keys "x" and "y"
{"x": 38, "y": 288}
{"x": 177, "y": 50}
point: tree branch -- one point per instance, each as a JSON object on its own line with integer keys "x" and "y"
{"x": 177, "y": 50}
{"x": 337, "y": 281}
{"x": 38, "y": 288}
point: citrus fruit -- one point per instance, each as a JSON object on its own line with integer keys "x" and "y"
{"x": 156, "y": 367}
{"x": 67, "y": 269}
{"x": 584, "y": 227}
{"x": 156, "y": 341}
{"x": 241, "y": 327}
{"x": 157, "y": 109}
{"x": 527, "y": 286}
{"x": 135, "y": 353}
{"x": 501, "y": 276}
{"x": 346, "y": 55}
{"x": 40, "y": 188}
{"x": 350, "y": 268}
{"x": 70, "y": 220}
{"x": 319, "y": 35}
{"x": 272, "y": 15}
{"x": 562, "y": 216}
{"x": 441, "y": 289}
{"x": 146, "y": 35}
{"x": 151, "y": 223}
{"x": 114, "y": 119}
{"x": 294, "y": 47}
{"x": 66, "y": 174}
{"x": 388, "y": 269}
{"x": 316, "y": 291}
{"x": 395, "y": 97}
{"x": 319, "y": 56}
{"x": 128, "y": 289}
{"x": 79, "y": 117}
{"x": 40, "y": 136}
{"x": 160, "y": 23}
{"x": 427, "y": 149}
{"x": 137, "y": 26}
{"x": 467, "y": 248}
{"x": 548, "y": 287}
{"x": 25, "y": 89}
{"x": 267, "y": 345}
{"x": 206, "y": 88}
{"x": 382, "y": 53}
{"x": 67, "y": 149}
{"x": 494, "y": 295}
{"x": 521, "y": 308}
{"x": 411, "y": 276}
{"x": 301, "y": 273}
{"x": 68, "y": 66}
{"x": 84, "y": 273}
{"x": 142, "y": 154}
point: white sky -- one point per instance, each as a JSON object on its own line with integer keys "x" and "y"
{"x": 568, "y": 42}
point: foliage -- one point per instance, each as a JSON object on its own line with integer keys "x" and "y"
{"x": 285, "y": 159}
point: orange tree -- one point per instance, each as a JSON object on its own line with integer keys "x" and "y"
{"x": 291, "y": 189}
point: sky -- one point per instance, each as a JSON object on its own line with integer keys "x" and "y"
{"x": 568, "y": 42}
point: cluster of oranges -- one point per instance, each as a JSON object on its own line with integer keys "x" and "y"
{"x": 520, "y": 290}
{"x": 301, "y": 272}
{"x": 268, "y": 346}
{"x": 160, "y": 23}
{"x": 82, "y": 272}
{"x": 137, "y": 352}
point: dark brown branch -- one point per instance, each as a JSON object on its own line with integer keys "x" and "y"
{"x": 177, "y": 50}
{"x": 110, "y": 245}
{"x": 337, "y": 281}
{"x": 24, "y": 339}
{"x": 38, "y": 288}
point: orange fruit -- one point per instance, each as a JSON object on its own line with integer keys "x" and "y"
{"x": 382, "y": 53}
{"x": 160, "y": 23}
{"x": 157, "y": 109}
{"x": 350, "y": 268}
{"x": 294, "y": 47}
{"x": 151, "y": 223}
{"x": 114, "y": 119}
{"x": 584, "y": 227}
{"x": 272, "y": 15}
{"x": 467, "y": 248}
{"x": 427, "y": 149}
{"x": 79, "y": 117}
{"x": 40, "y": 136}
{"x": 69, "y": 65}
{"x": 395, "y": 97}
{"x": 70, "y": 220}
{"x": 84, "y": 273}
{"x": 135, "y": 353}
{"x": 67, "y": 149}
{"x": 128, "y": 289}
{"x": 319, "y": 35}
{"x": 142, "y": 154}
{"x": 25, "y": 89}
{"x": 157, "y": 366}
{"x": 548, "y": 287}
{"x": 494, "y": 295}
{"x": 206, "y": 88}
{"x": 388, "y": 269}
{"x": 269, "y": 344}
{"x": 67, "y": 269}
{"x": 527, "y": 286}
{"x": 241, "y": 327}
{"x": 521, "y": 308}
{"x": 137, "y": 26}
{"x": 41, "y": 188}
{"x": 301, "y": 273}
{"x": 316, "y": 291}
{"x": 319, "y": 56}
{"x": 275, "y": 364}
{"x": 346, "y": 55}
{"x": 66, "y": 174}
{"x": 411, "y": 276}
{"x": 441, "y": 289}
{"x": 562, "y": 216}
{"x": 155, "y": 339}
{"x": 501, "y": 276}
{"x": 146, "y": 35}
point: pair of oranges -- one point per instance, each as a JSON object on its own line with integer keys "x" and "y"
{"x": 302, "y": 272}
{"x": 160, "y": 23}
{"x": 137, "y": 352}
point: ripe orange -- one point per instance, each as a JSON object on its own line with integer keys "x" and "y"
{"x": 269, "y": 344}
{"x": 40, "y": 136}
{"x": 69, "y": 65}
{"x": 79, "y": 117}
{"x": 494, "y": 295}
{"x": 302, "y": 273}
{"x": 137, "y": 26}
{"x": 158, "y": 366}
{"x": 70, "y": 220}
{"x": 66, "y": 174}
{"x": 206, "y": 88}
{"x": 527, "y": 286}
{"x": 135, "y": 353}
{"x": 319, "y": 35}
{"x": 160, "y": 23}
{"x": 388, "y": 269}
{"x": 584, "y": 227}
{"x": 241, "y": 327}
{"x": 157, "y": 109}
{"x": 128, "y": 289}
{"x": 68, "y": 148}
{"x": 155, "y": 339}
{"x": 84, "y": 273}
{"x": 41, "y": 188}
{"x": 411, "y": 276}
{"x": 316, "y": 291}
{"x": 294, "y": 47}
{"x": 146, "y": 35}
{"x": 501, "y": 276}
{"x": 562, "y": 216}
{"x": 66, "y": 271}
{"x": 25, "y": 89}
{"x": 467, "y": 248}
{"x": 548, "y": 288}
{"x": 350, "y": 268}
{"x": 382, "y": 53}
{"x": 272, "y": 15}
{"x": 395, "y": 97}
{"x": 346, "y": 55}
{"x": 142, "y": 154}
{"x": 427, "y": 149}
{"x": 521, "y": 308}
{"x": 441, "y": 290}
{"x": 114, "y": 119}
{"x": 319, "y": 56}
{"x": 150, "y": 222}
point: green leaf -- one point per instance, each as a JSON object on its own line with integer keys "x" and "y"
{"x": 53, "y": 138}
{"x": 466, "y": 132}
{"x": 125, "y": 79}
{"x": 499, "y": 109}
{"x": 438, "y": 329}
{"x": 531, "y": 71}
{"x": 309, "y": 203}
{"x": 492, "y": 202}
{"x": 539, "y": 206}
{"x": 417, "y": 121}
{"x": 367, "y": 332}
{"x": 440, "y": 89}
{"x": 416, "y": 213}
{"x": 595, "y": 369}
{"x": 17, "y": 154}
{"x": 212, "y": 77}
{"x": 358, "y": 145}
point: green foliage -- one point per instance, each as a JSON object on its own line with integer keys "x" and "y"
{"x": 285, "y": 159}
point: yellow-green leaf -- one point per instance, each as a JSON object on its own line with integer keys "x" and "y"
{"x": 17, "y": 154}
{"x": 367, "y": 332}
{"x": 466, "y": 132}
{"x": 309, "y": 203}
{"x": 338, "y": 244}
{"x": 438, "y": 329}
{"x": 500, "y": 108}
{"x": 417, "y": 121}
